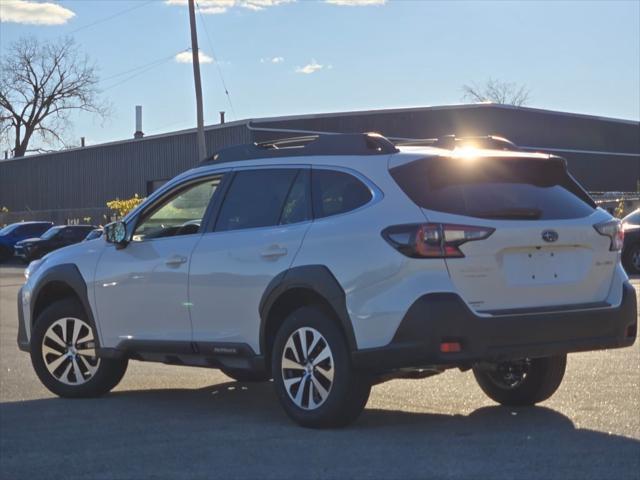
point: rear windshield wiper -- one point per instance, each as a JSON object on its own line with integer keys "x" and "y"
{"x": 510, "y": 213}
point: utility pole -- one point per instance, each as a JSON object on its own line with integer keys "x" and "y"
{"x": 195, "y": 53}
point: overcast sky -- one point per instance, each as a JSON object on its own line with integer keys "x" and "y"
{"x": 282, "y": 57}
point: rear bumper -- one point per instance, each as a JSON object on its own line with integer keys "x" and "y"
{"x": 444, "y": 317}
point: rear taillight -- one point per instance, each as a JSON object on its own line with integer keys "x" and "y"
{"x": 612, "y": 229}
{"x": 433, "y": 240}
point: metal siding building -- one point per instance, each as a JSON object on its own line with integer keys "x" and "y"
{"x": 71, "y": 185}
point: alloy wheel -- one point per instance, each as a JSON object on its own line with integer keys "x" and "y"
{"x": 307, "y": 368}
{"x": 68, "y": 351}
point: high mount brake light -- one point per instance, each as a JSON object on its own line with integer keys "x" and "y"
{"x": 612, "y": 229}
{"x": 433, "y": 240}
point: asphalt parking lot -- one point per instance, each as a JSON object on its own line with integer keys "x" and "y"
{"x": 178, "y": 422}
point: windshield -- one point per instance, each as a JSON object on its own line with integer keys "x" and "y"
{"x": 50, "y": 233}
{"x": 8, "y": 229}
{"x": 632, "y": 219}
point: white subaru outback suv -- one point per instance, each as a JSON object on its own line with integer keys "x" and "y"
{"x": 335, "y": 262}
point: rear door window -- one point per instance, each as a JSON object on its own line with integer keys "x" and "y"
{"x": 499, "y": 188}
{"x": 256, "y": 198}
{"x": 337, "y": 192}
{"x": 297, "y": 207}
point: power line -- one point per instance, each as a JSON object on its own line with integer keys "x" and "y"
{"x": 117, "y": 14}
{"x": 153, "y": 62}
{"x": 215, "y": 60}
{"x": 144, "y": 70}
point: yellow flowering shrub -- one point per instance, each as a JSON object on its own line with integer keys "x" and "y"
{"x": 619, "y": 212}
{"x": 122, "y": 207}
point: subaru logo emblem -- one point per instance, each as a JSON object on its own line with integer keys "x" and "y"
{"x": 550, "y": 236}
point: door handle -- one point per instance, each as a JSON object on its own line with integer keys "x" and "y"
{"x": 176, "y": 261}
{"x": 273, "y": 252}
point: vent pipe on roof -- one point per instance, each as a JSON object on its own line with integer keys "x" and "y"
{"x": 82, "y": 141}
{"x": 138, "y": 133}
{"x": 221, "y": 118}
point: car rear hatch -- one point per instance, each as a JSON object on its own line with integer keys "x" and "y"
{"x": 540, "y": 249}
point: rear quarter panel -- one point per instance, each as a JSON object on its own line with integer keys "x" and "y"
{"x": 379, "y": 283}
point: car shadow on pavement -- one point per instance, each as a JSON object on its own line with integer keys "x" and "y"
{"x": 239, "y": 430}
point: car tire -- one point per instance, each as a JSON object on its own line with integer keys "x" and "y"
{"x": 631, "y": 260}
{"x": 333, "y": 393}
{"x": 246, "y": 375}
{"x": 62, "y": 344}
{"x": 5, "y": 254}
{"x": 522, "y": 383}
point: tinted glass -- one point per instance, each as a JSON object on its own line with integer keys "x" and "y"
{"x": 337, "y": 192}
{"x": 178, "y": 214}
{"x": 35, "y": 229}
{"x": 504, "y": 188}
{"x": 76, "y": 233}
{"x": 69, "y": 233}
{"x": 23, "y": 230}
{"x": 297, "y": 206}
{"x": 255, "y": 199}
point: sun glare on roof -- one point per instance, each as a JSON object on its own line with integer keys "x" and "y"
{"x": 466, "y": 152}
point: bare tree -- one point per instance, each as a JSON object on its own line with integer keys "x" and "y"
{"x": 496, "y": 91}
{"x": 41, "y": 84}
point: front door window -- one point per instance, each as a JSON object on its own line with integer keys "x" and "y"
{"x": 180, "y": 214}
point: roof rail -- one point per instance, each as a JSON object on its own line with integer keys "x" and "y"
{"x": 450, "y": 142}
{"x": 316, "y": 144}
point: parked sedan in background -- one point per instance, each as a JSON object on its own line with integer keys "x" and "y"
{"x": 11, "y": 234}
{"x": 631, "y": 248}
{"x": 53, "y": 239}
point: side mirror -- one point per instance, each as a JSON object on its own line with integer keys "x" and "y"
{"x": 116, "y": 232}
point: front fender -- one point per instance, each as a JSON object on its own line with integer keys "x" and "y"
{"x": 69, "y": 275}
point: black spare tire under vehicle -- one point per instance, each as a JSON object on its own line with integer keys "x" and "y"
{"x": 521, "y": 383}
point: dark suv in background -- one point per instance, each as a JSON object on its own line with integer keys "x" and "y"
{"x": 631, "y": 248}
{"x": 13, "y": 233}
{"x": 53, "y": 239}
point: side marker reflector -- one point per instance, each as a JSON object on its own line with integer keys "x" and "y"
{"x": 450, "y": 347}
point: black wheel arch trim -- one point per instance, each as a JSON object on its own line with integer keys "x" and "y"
{"x": 68, "y": 274}
{"x": 317, "y": 278}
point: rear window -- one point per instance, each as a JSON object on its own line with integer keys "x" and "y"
{"x": 500, "y": 188}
